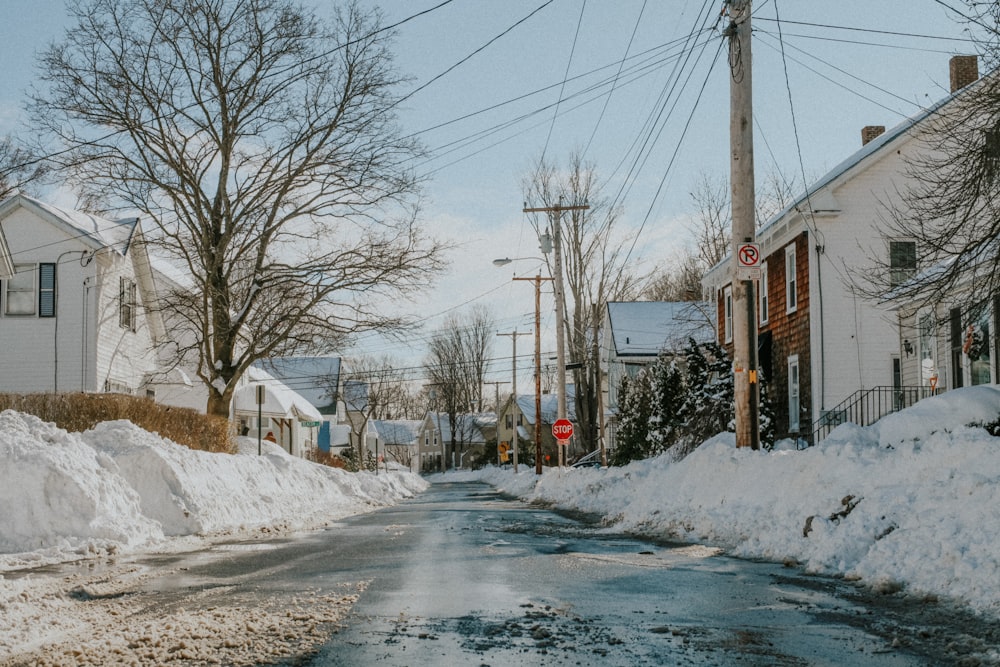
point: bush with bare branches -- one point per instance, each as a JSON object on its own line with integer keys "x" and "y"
{"x": 80, "y": 412}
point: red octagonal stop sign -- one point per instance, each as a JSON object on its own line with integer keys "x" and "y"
{"x": 562, "y": 429}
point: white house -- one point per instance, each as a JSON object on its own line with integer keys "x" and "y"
{"x": 474, "y": 435}
{"x": 394, "y": 440}
{"x": 823, "y": 348}
{"x": 74, "y": 291}
{"x": 635, "y": 333}
{"x": 264, "y": 406}
{"x": 319, "y": 380}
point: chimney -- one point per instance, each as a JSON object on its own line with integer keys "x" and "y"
{"x": 869, "y": 132}
{"x": 963, "y": 70}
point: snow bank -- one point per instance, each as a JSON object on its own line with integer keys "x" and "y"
{"x": 119, "y": 486}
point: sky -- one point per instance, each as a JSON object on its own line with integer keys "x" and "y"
{"x": 908, "y": 504}
{"x": 641, "y": 88}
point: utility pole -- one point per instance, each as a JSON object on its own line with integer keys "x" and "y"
{"x": 555, "y": 216}
{"x": 741, "y": 178}
{"x": 496, "y": 387}
{"x": 538, "y": 369}
{"x": 513, "y": 388}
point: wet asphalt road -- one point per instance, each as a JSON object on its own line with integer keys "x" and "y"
{"x": 461, "y": 576}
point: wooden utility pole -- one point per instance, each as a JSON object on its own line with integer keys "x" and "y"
{"x": 538, "y": 369}
{"x": 496, "y": 387}
{"x": 741, "y": 178}
{"x": 555, "y": 216}
{"x": 513, "y": 387}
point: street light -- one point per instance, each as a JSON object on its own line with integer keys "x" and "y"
{"x": 538, "y": 357}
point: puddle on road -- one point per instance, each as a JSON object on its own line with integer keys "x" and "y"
{"x": 662, "y": 559}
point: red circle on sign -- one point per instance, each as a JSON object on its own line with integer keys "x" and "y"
{"x": 748, "y": 255}
{"x": 562, "y": 429}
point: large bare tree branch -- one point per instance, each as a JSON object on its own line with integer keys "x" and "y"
{"x": 261, "y": 144}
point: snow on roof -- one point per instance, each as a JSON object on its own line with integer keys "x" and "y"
{"x": 469, "y": 426}
{"x": 646, "y": 328}
{"x": 550, "y": 406}
{"x": 396, "y": 431}
{"x": 314, "y": 378}
{"x": 279, "y": 400}
{"x": 90, "y": 229}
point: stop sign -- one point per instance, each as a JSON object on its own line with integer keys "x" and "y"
{"x": 562, "y": 429}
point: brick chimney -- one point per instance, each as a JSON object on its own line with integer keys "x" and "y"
{"x": 869, "y": 132}
{"x": 963, "y": 70}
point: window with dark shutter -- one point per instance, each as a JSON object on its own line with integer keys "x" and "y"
{"x": 46, "y": 290}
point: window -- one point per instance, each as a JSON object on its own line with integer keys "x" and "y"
{"x": 791, "y": 281}
{"x": 126, "y": 303}
{"x": 21, "y": 290}
{"x": 509, "y": 421}
{"x": 794, "y": 405}
{"x": 762, "y": 294}
{"x": 46, "y": 290}
{"x": 727, "y": 297}
{"x": 902, "y": 261}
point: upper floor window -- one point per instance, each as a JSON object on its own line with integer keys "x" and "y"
{"x": 791, "y": 280}
{"x": 902, "y": 261}
{"x": 21, "y": 290}
{"x": 762, "y": 300}
{"x": 727, "y": 297}
{"x": 126, "y": 303}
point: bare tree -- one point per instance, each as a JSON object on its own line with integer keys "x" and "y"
{"x": 595, "y": 270}
{"x": 18, "y": 167}
{"x": 260, "y": 142}
{"x": 680, "y": 282}
{"x": 456, "y": 367}
{"x": 374, "y": 388}
{"x": 711, "y": 234}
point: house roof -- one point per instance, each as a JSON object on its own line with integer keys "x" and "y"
{"x": 550, "y": 406}
{"x": 873, "y": 147}
{"x": 646, "y": 328}
{"x": 396, "y": 431}
{"x": 91, "y": 230}
{"x": 314, "y": 378}
{"x": 469, "y": 427}
{"x": 279, "y": 400}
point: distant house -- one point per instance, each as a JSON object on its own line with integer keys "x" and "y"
{"x": 517, "y": 423}
{"x": 264, "y": 406}
{"x": 636, "y": 333}
{"x": 475, "y": 438}
{"x": 75, "y": 291}
{"x": 394, "y": 440}
{"x": 823, "y": 350}
{"x": 320, "y": 381}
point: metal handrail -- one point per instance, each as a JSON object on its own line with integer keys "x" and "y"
{"x": 866, "y": 406}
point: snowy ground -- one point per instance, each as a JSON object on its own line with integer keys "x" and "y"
{"x": 908, "y": 504}
{"x": 117, "y": 491}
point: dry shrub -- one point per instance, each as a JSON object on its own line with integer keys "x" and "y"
{"x": 80, "y": 412}
{"x": 327, "y": 459}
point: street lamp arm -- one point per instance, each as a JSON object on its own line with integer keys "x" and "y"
{"x": 504, "y": 261}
